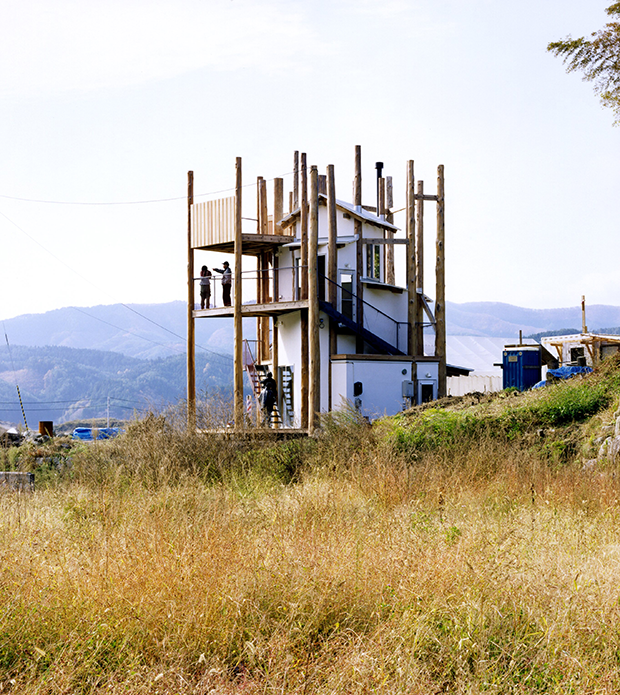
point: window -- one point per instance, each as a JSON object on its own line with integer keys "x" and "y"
{"x": 346, "y": 294}
{"x": 373, "y": 261}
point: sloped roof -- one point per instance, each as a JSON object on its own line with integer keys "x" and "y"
{"x": 357, "y": 213}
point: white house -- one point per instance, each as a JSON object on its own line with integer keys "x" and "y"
{"x": 333, "y": 326}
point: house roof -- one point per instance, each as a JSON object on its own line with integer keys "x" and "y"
{"x": 356, "y": 212}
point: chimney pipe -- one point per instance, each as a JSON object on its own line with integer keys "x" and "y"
{"x": 379, "y": 168}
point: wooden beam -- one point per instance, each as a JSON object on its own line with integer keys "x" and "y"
{"x": 295, "y": 201}
{"x": 191, "y": 342}
{"x": 432, "y": 198}
{"x": 419, "y": 269}
{"x": 304, "y": 227}
{"x": 411, "y": 261}
{"x": 440, "y": 294}
{"x": 238, "y": 340}
{"x": 359, "y": 247}
{"x": 278, "y": 205}
{"x": 332, "y": 271}
{"x": 314, "y": 352}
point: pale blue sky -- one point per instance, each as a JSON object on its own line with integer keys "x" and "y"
{"x": 115, "y": 101}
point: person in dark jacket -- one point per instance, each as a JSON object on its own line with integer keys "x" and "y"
{"x": 268, "y": 397}
{"x": 226, "y": 282}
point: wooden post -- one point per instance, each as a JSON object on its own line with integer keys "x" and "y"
{"x": 419, "y": 270}
{"x": 303, "y": 205}
{"x": 191, "y": 343}
{"x": 322, "y": 186}
{"x": 304, "y": 227}
{"x": 278, "y": 204}
{"x": 359, "y": 248}
{"x": 238, "y": 341}
{"x": 295, "y": 203}
{"x": 332, "y": 269}
{"x": 411, "y": 254}
{"x": 332, "y": 235}
{"x": 584, "y": 327}
{"x": 314, "y": 395}
{"x": 263, "y": 216}
{"x": 390, "y": 273}
{"x": 440, "y": 294}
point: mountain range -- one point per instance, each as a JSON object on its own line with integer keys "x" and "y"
{"x": 78, "y": 362}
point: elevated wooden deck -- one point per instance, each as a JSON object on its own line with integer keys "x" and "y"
{"x": 249, "y": 310}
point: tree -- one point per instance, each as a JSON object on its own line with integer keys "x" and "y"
{"x": 598, "y": 59}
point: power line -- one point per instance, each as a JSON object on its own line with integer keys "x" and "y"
{"x": 128, "y": 202}
{"x": 135, "y": 311}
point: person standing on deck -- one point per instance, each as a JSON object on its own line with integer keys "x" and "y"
{"x": 205, "y": 287}
{"x": 226, "y": 282}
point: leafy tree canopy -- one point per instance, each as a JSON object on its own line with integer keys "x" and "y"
{"x": 598, "y": 59}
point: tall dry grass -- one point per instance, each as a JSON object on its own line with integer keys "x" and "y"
{"x": 169, "y": 563}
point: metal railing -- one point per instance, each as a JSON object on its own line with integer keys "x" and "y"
{"x": 374, "y": 320}
{"x": 258, "y": 287}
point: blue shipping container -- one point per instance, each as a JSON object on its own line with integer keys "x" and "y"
{"x": 521, "y": 367}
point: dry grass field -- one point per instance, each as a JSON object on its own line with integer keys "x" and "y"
{"x": 447, "y": 550}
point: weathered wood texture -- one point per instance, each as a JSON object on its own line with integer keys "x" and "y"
{"x": 238, "y": 341}
{"x": 314, "y": 353}
{"x": 191, "y": 342}
{"x": 411, "y": 256}
{"x": 440, "y": 294}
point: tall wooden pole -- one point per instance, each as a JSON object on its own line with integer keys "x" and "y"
{"x": 411, "y": 254}
{"x": 303, "y": 204}
{"x": 304, "y": 227}
{"x": 332, "y": 269}
{"x": 359, "y": 247}
{"x": 238, "y": 344}
{"x": 440, "y": 294}
{"x": 191, "y": 343}
{"x": 278, "y": 204}
{"x": 295, "y": 191}
{"x": 314, "y": 395}
{"x": 419, "y": 270}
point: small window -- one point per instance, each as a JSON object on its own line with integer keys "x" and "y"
{"x": 373, "y": 261}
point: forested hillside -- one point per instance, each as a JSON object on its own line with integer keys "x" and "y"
{"x": 61, "y": 384}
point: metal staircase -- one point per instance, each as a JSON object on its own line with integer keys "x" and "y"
{"x": 382, "y": 346}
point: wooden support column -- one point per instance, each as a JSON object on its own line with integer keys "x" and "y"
{"x": 440, "y": 294}
{"x": 332, "y": 270}
{"x": 359, "y": 248}
{"x": 304, "y": 227}
{"x": 314, "y": 394}
{"x": 278, "y": 213}
{"x": 411, "y": 260}
{"x": 278, "y": 204}
{"x": 238, "y": 341}
{"x": 262, "y": 201}
{"x": 295, "y": 203}
{"x": 390, "y": 276}
{"x": 303, "y": 205}
{"x": 191, "y": 342}
{"x": 419, "y": 270}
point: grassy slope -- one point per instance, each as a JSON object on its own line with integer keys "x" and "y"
{"x": 453, "y": 549}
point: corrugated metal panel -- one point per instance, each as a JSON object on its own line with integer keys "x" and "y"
{"x": 213, "y": 222}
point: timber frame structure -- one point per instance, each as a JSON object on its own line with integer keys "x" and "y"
{"x": 292, "y": 304}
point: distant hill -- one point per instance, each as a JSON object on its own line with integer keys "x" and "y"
{"x": 117, "y": 328}
{"x": 145, "y": 331}
{"x": 61, "y": 383}
{"x": 493, "y": 319}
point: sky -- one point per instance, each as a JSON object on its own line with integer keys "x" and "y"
{"x": 107, "y": 105}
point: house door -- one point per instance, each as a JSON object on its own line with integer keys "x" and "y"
{"x": 345, "y": 291}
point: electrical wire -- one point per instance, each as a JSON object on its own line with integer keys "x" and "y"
{"x": 126, "y": 306}
{"x": 130, "y": 202}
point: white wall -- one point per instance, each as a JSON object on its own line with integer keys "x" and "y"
{"x": 382, "y": 385}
